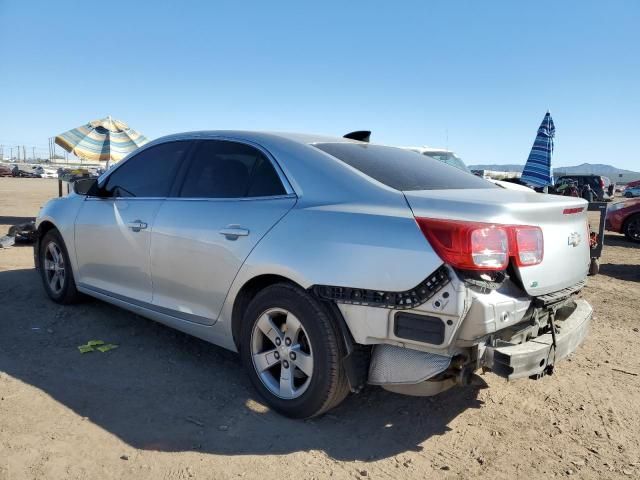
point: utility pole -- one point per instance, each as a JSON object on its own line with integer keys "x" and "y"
{"x": 24, "y": 153}
{"x": 33, "y": 149}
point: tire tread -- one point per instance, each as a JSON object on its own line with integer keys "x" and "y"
{"x": 626, "y": 226}
{"x": 338, "y": 382}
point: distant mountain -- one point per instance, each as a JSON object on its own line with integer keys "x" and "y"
{"x": 585, "y": 169}
{"x": 593, "y": 168}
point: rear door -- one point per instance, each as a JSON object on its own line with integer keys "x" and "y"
{"x": 113, "y": 229}
{"x": 232, "y": 194}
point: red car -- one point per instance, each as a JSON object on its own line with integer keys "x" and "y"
{"x": 5, "y": 170}
{"x": 624, "y": 217}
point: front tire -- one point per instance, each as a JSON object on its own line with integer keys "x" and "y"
{"x": 632, "y": 228}
{"x": 293, "y": 353}
{"x": 55, "y": 269}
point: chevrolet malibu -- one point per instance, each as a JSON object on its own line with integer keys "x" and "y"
{"x": 327, "y": 263}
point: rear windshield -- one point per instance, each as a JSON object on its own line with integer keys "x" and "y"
{"x": 402, "y": 169}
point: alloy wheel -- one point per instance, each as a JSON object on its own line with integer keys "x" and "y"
{"x": 281, "y": 353}
{"x": 54, "y": 267}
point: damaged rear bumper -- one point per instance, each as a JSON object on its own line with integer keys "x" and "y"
{"x": 535, "y": 357}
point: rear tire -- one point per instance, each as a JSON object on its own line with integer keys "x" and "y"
{"x": 55, "y": 269}
{"x": 632, "y": 228}
{"x": 293, "y": 352}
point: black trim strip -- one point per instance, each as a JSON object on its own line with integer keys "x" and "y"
{"x": 421, "y": 328}
{"x": 396, "y": 300}
{"x": 558, "y": 296}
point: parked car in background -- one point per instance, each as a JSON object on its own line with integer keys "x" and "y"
{"x": 624, "y": 217}
{"x": 631, "y": 192}
{"x": 598, "y": 183}
{"x": 441, "y": 154}
{"x": 512, "y": 184}
{"x": 5, "y": 170}
{"x": 24, "y": 170}
{"x": 327, "y": 263}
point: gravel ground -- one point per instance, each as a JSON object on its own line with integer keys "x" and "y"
{"x": 165, "y": 405}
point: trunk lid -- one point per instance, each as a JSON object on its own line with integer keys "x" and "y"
{"x": 566, "y": 237}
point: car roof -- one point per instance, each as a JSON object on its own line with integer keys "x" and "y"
{"x": 255, "y": 136}
{"x": 314, "y": 175}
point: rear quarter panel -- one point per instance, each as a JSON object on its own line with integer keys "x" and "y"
{"x": 344, "y": 247}
{"x": 372, "y": 247}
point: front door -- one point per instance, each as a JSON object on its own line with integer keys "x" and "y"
{"x": 231, "y": 196}
{"x": 113, "y": 228}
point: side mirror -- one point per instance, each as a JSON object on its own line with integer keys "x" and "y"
{"x": 86, "y": 186}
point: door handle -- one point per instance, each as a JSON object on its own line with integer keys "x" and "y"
{"x": 137, "y": 225}
{"x": 232, "y": 232}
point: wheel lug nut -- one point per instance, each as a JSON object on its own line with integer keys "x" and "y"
{"x": 287, "y": 341}
{"x": 278, "y": 342}
{"x": 292, "y": 355}
{"x": 276, "y": 355}
{"x": 285, "y": 364}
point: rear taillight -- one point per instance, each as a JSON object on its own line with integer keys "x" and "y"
{"x": 601, "y": 182}
{"x": 490, "y": 248}
{"x": 529, "y": 245}
{"x": 483, "y": 246}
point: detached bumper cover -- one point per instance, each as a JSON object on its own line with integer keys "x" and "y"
{"x": 532, "y": 358}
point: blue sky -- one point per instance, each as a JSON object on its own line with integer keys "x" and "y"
{"x": 474, "y": 76}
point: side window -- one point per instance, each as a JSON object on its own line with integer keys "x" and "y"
{"x": 223, "y": 169}
{"x": 264, "y": 180}
{"x": 149, "y": 173}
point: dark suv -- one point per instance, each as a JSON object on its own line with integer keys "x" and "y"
{"x": 599, "y": 185}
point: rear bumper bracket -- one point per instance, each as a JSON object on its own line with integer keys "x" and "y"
{"x": 533, "y": 358}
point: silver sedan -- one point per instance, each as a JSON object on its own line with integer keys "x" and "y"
{"x": 327, "y": 263}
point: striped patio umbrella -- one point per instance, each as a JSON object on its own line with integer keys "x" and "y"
{"x": 105, "y": 140}
{"x": 537, "y": 170}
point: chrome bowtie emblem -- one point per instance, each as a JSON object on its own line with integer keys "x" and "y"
{"x": 574, "y": 239}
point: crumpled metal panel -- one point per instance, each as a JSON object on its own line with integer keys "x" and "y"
{"x": 391, "y": 364}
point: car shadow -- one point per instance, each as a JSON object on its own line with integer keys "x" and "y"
{"x": 621, "y": 271}
{"x": 9, "y": 220}
{"x": 164, "y": 390}
{"x": 615, "y": 240}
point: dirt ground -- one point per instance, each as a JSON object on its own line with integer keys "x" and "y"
{"x": 168, "y": 406}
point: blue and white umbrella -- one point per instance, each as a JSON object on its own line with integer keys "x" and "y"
{"x": 105, "y": 140}
{"x": 537, "y": 171}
